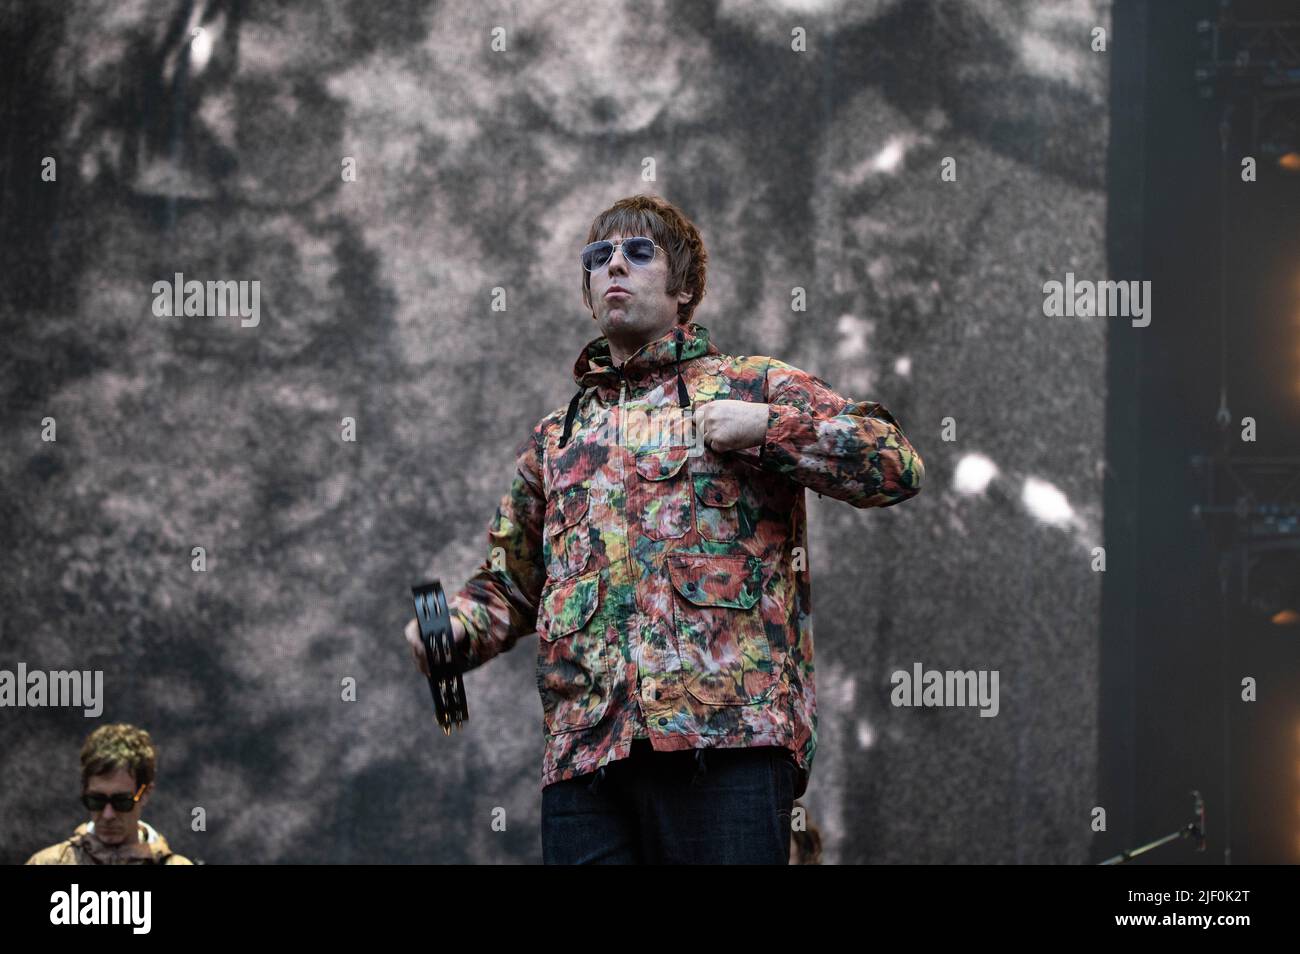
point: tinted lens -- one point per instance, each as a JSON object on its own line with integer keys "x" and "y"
{"x": 596, "y": 255}
{"x": 121, "y": 803}
{"x": 639, "y": 251}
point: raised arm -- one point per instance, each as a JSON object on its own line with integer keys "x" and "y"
{"x": 850, "y": 450}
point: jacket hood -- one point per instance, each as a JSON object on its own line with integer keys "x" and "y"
{"x": 150, "y": 844}
{"x": 595, "y": 366}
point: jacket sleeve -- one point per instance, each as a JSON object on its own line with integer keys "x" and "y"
{"x": 60, "y": 854}
{"x": 499, "y": 602}
{"x": 850, "y": 450}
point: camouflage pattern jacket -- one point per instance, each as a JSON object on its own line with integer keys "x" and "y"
{"x": 668, "y": 583}
{"x": 83, "y": 848}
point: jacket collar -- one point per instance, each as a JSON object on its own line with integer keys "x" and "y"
{"x": 595, "y": 366}
{"x": 148, "y": 845}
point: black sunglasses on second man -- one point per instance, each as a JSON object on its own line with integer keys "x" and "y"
{"x": 123, "y": 802}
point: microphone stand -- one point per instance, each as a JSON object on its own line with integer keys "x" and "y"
{"x": 1193, "y": 829}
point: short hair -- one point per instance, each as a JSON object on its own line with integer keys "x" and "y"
{"x": 670, "y": 228}
{"x": 120, "y": 746}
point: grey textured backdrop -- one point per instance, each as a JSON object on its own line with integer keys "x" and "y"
{"x": 478, "y": 169}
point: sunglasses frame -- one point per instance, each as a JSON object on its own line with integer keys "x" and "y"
{"x": 109, "y": 800}
{"x": 616, "y": 246}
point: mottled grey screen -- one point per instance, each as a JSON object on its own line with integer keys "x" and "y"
{"x": 410, "y": 184}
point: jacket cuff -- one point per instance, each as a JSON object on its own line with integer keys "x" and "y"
{"x": 787, "y": 427}
{"x": 473, "y": 634}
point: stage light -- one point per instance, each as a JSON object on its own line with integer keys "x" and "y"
{"x": 973, "y": 474}
{"x": 1273, "y": 593}
{"x": 200, "y": 51}
{"x": 1046, "y": 502}
{"x": 1277, "y": 128}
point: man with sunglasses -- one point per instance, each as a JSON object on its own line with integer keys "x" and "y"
{"x": 654, "y": 538}
{"x": 118, "y": 766}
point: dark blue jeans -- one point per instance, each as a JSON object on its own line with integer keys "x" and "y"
{"x": 666, "y": 808}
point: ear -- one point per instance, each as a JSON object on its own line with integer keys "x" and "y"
{"x": 144, "y": 798}
{"x": 684, "y": 296}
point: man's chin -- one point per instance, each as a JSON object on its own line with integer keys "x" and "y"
{"x": 628, "y": 325}
{"x": 618, "y": 319}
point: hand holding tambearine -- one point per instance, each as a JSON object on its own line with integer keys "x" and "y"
{"x": 417, "y": 646}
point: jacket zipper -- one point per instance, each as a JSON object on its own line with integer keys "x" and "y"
{"x": 627, "y": 527}
{"x": 622, "y": 395}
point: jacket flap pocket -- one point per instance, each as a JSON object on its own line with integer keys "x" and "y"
{"x": 707, "y": 579}
{"x": 570, "y": 507}
{"x": 569, "y": 606}
{"x": 661, "y": 464}
{"x": 717, "y": 490}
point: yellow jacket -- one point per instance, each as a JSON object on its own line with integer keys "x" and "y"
{"x": 83, "y": 848}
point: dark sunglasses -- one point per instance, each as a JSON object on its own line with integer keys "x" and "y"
{"x": 640, "y": 251}
{"x": 123, "y": 802}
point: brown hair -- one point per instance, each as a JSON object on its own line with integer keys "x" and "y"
{"x": 670, "y": 228}
{"x": 120, "y": 746}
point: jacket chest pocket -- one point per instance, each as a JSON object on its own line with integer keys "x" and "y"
{"x": 572, "y": 672}
{"x": 717, "y": 514}
{"x": 661, "y": 497}
{"x": 720, "y": 629}
{"x": 566, "y": 545}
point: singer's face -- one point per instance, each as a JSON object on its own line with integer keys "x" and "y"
{"x": 631, "y": 303}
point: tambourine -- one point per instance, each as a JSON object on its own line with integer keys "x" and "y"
{"x": 447, "y": 661}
